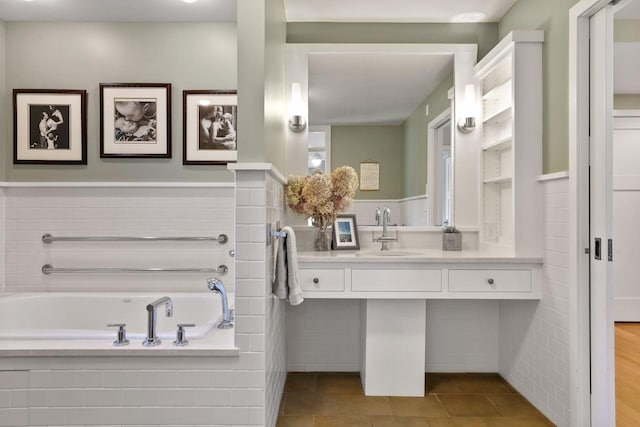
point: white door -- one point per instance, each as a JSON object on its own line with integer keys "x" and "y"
{"x": 626, "y": 207}
{"x": 601, "y": 229}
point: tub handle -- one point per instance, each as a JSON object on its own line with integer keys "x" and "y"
{"x": 122, "y": 334}
{"x": 181, "y": 336}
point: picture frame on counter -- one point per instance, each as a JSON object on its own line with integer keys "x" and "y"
{"x": 135, "y": 120}
{"x": 345, "y": 232}
{"x": 50, "y": 126}
{"x": 209, "y": 123}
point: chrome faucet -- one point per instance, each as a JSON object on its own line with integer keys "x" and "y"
{"x": 152, "y": 318}
{"x": 217, "y": 286}
{"x": 378, "y": 216}
{"x": 385, "y": 238}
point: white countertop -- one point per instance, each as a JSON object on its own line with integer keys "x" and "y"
{"x": 432, "y": 256}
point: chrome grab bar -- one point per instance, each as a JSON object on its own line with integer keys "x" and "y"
{"x": 50, "y": 269}
{"x": 48, "y": 238}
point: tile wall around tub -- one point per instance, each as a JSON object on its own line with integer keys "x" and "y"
{"x": 116, "y": 211}
{"x": 534, "y": 335}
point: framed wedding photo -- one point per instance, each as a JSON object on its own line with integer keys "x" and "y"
{"x": 209, "y": 124}
{"x": 50, "y": 126}
{"x": 345, "y": 232}
{"x": 135, "y": 120}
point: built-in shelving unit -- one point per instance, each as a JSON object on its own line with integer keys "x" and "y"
{"x": 509, "y": 79}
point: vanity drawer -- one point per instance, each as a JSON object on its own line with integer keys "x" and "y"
{"x": 478, "y": 280}
{"x": 396, "y": 280}
{"x": 321, "y": 279}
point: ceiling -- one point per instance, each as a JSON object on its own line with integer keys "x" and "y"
{"x": 396, "y": 10}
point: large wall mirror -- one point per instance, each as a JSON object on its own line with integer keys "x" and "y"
{"x": 394, "y": 105}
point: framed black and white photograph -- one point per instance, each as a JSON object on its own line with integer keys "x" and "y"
{"x": 135, "y": 120}
{"x": 49, "y": 126}
{"x": 210, "y": 121}
{"x": 345, "y": 232}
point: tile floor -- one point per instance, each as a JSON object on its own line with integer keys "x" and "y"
{"x": 452, "y": 400}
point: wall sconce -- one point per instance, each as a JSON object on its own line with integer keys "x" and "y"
{"x": 468, "y": 121}
{"x": 296, "y": 120}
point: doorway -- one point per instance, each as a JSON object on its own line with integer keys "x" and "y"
{"x": 440, "y": 170}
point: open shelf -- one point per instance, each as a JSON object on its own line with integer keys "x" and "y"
{"x": 499, "y": 92}
{"x": 498, "y": 179}
{"x": 499, "y": 145}
{"x": 499, "y": 116}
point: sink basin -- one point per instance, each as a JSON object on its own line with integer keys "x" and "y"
{"x": 391, "y": 253}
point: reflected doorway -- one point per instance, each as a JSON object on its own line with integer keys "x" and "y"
{"x": 440, "y": 170}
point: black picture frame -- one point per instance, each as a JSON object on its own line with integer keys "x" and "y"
{"x": 135, "y": 120}
{"x": 209, "y": 127}
{"x": 50, "y": 126}
{"x": 345, "y": 232}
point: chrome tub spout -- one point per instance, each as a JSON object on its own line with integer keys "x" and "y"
{"x": 152, "y": 318}
{"x": 217, "y": 286}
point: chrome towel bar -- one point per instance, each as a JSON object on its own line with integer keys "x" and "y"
{"x": 48, "y": 238}
{"x": 50, "y": 269}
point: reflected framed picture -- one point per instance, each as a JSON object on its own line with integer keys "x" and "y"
{"x": 50, "y": 126}
{"x": 345, "y": 232}
{"x": 135, "y": 120}
{"x": 209, "y": 124}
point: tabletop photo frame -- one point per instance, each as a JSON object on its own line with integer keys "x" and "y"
{"x": 209, "y": 125}
{"x": 135, "y": 120}
{"x": 50, "y": 126}
{"x": 345, "y": 232}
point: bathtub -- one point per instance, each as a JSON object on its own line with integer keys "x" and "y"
{"x": 79, "y": 320}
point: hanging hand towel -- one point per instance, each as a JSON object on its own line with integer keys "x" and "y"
{"x": 287, "y": 284}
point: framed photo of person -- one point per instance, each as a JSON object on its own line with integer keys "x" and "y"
{"x": 209, "y": 124}
{"x": 135, "y": 120}
{"x": 345, "y": 232}
{"x": 50, "y": 126}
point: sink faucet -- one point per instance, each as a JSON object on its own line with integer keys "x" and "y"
{"x": 378, "y": 216}
{"x": 385, "y": 238}
{"x": 217, "y": 286}
{"x": 152, "y": 317}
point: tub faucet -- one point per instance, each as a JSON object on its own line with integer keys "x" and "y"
{"x": 385, "y": 238}
{"x": 217, "y": 286}
{"x": 152, "y": 317}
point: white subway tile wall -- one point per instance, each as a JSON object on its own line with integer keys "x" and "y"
{"x": 77, "y": 211}
{"x": 2, "y": 234}
{"x": 534, "y": 335}
{"x": 221, "y": 391}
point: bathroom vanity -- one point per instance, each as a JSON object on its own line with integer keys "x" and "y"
{"x": 394, "y": 286}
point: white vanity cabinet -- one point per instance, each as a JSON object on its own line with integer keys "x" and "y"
{"x": 416, "y": 279}
{"x": 509, "y": 80}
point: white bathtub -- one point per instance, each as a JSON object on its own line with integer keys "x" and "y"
{"x": 81, "y": 319}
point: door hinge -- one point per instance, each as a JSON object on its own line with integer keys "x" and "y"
{"x": 587, "y": 251}
{"x": 610, "y": 250}
{"x": 598, "y": 248}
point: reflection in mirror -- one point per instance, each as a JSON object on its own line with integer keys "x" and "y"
{"x": 319, "y": 145}
{"x": 377, "y": 107}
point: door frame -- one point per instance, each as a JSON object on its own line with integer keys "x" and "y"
{"x": 579, "y": 274}
{"x": 434, "y": 175}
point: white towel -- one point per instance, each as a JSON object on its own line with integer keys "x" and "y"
{"x": 286, "y": 284}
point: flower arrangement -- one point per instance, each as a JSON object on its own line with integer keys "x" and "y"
{"x": 320, "y": 196}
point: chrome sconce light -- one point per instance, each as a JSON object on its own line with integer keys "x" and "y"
{"x": 297, "y": 122}
{"x": 468, "y": 121}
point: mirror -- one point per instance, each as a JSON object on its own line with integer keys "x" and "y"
{"x": 382, "y": 104}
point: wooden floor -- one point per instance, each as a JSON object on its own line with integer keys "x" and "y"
{"x": 452, "y": 400}
{"x": 627, "y": 374}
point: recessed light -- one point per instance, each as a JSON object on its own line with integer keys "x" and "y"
{"x": 189, "y": 1}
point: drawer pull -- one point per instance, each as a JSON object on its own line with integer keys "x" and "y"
{"x": 316, "y": 280}
{"x": 490, "y": 281}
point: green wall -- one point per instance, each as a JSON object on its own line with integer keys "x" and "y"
{"x": 552, "y": 16}
{"x": 83, "y": 55}
{"x": 351, "y": 145}
{"x": 4, "y": 111}
{"x": 626, "y": 102}
{"x": 626, "y": 30}
{"x": 484, "y": 35}
{"x": 415, "y": 129}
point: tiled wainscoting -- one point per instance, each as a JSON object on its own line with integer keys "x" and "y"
{"x": 149, "y": 390}
{"x": 534, "y": 338}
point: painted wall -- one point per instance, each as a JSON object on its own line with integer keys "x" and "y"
{"x": 4, "y": 111}
{"x": 351, "y": 145}
{"x": 552, "y": 17}
{"x": 87, "y": 54}
{"x": 484, "y": 35}
{"x": 415, "y": 128}
{"x": 626, "y": 102}
{"x": 626, "y": 30}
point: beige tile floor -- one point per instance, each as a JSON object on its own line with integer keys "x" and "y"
{"x": 452, "y": 400}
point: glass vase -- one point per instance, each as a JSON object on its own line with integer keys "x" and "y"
{"x": 322, "y": 238}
